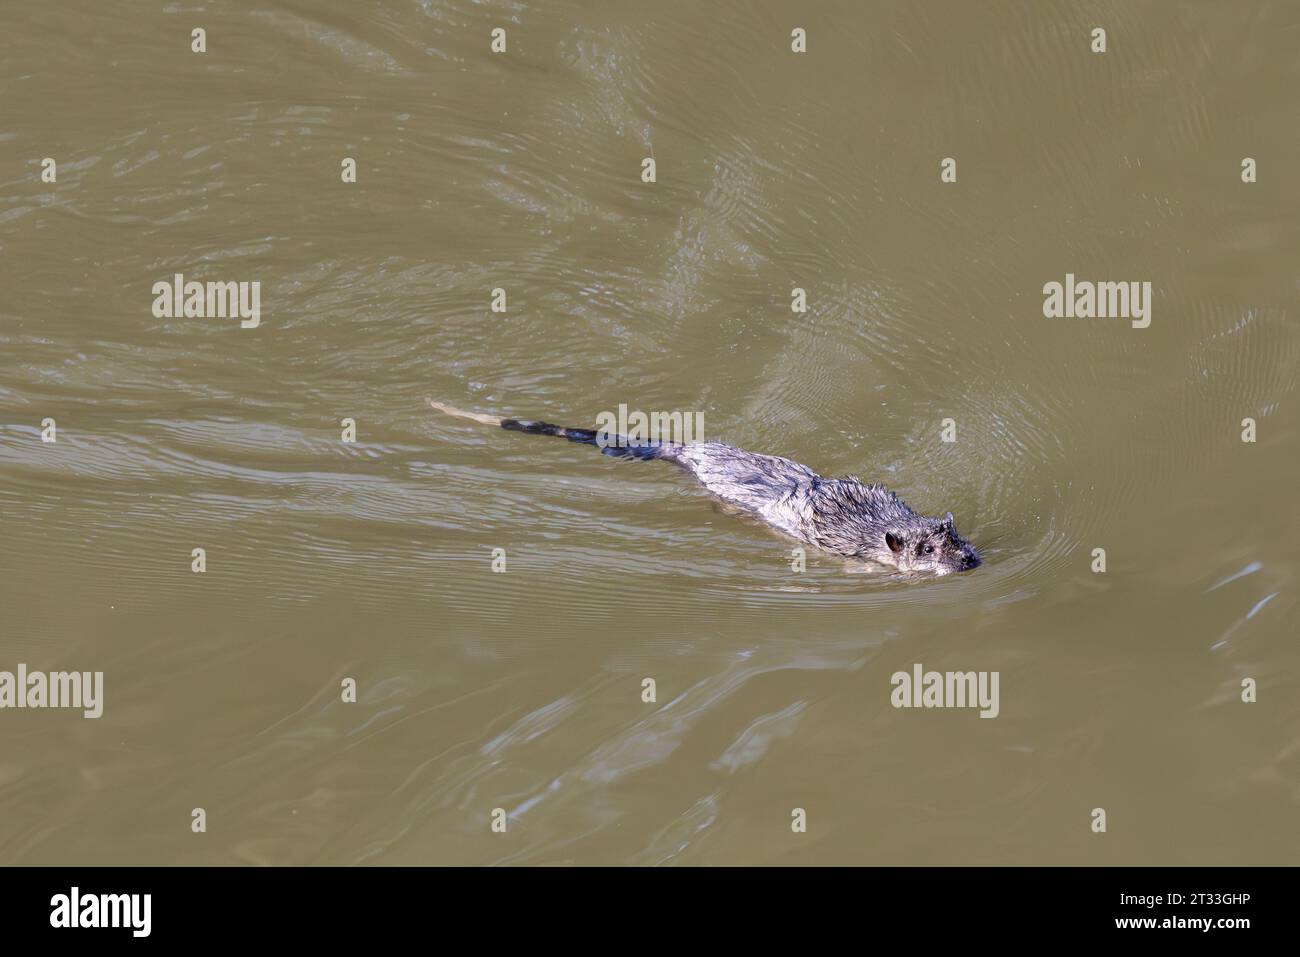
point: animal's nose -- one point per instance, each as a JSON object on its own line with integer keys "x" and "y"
{"x": 971, "y": 559}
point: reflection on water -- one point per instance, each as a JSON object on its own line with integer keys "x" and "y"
{"x": 525, "y": 690}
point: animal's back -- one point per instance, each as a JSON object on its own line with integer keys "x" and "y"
{"x": 773, "y": 488}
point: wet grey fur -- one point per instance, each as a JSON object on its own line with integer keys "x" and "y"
{"x": 841, "y": 516}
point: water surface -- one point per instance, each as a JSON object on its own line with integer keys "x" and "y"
{"x": 523, "y": 691}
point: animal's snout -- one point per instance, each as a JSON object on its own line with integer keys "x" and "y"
{"x": 969, "y": 558}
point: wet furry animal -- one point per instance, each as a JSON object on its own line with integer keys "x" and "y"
{"x": 842, "y": 516}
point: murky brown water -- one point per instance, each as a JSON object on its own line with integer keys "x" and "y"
{"x": 523, "y": 690}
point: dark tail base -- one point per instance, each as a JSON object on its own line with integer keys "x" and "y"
{"x": 615, "y": 446}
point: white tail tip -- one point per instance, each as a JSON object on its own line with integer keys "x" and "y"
{"x": 462, "y": 414}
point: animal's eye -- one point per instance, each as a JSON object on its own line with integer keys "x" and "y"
{"x": 929, "y": 549}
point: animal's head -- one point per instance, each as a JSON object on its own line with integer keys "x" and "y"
{"x": 926, "y": 545}
{"x": 871, "y": 522}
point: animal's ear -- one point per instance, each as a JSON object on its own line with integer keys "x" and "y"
{"x": 894, "y": 542}
{"x": 948, "y": 521}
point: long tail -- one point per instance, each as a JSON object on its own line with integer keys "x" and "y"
{"x": 614, "y": 445}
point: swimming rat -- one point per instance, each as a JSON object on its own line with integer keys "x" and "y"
{"x": 842, "y": 516}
